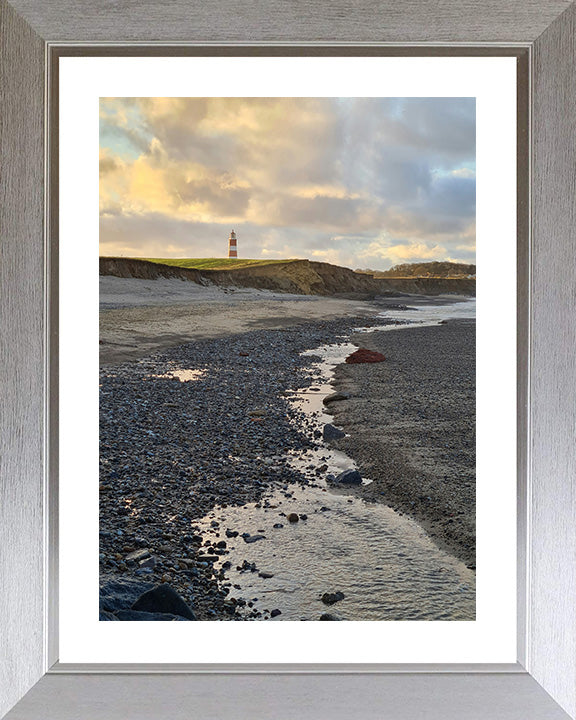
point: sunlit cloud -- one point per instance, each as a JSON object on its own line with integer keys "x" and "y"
{"x": 344, "y": 180}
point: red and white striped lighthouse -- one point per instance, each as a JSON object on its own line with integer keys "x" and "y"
{"x": 232, "y": 246}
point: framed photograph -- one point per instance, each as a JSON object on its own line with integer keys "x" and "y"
{"x": 299, "y": 416}
{"x": 275, "y": 464}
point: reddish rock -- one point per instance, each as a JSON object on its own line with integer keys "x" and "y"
{"x": 362, "y": 355}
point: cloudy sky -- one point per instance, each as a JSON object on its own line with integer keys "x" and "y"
{"x": 361, "y": 182}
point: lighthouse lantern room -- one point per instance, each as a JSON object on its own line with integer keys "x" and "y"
{"x": 232, "y": 245}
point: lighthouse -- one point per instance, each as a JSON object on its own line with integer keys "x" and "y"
{"x": 232, "y": 246}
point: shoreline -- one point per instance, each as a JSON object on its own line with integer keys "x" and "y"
{"x": 139, "y": 317}
{"x": 412, "y": 426}
{"x": 267, "y": 362}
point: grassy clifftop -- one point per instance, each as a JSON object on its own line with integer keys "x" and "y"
{"x": 213, "y": 263}
{"x": 304, "y": 277}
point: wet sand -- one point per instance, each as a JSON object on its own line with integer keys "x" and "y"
{"x": 411, "y": 425}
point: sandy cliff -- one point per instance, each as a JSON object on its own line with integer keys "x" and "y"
{"x": 298, "y": 276}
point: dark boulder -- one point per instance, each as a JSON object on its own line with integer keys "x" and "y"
{"x": 332, "y": 433}
{"x": 253, "y": 538}
{"x": 163, "y": 599}
{"x": 135, "y": 615}
{"x": 331, "y": 598}
{"x": 119, "y": 593}
{"x": 349, "y": 477}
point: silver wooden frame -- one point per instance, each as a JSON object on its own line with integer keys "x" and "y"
{"x": 542, "y": 34}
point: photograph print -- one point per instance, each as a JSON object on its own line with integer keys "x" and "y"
{"x": 287, "y": 359}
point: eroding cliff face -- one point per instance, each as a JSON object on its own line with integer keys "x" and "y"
{"x": 302, "y": 277}
{"x": 143, "y": 269}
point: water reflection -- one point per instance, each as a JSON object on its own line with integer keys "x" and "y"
{"x": 183, "y": 375}
{"x": 384, "y": 563}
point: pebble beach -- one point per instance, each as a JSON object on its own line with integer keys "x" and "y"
{"x": 217, "y": 490}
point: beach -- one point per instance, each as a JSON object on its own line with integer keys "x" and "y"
{"x": 411, "y": 426}
{"x": 140, "y": 316}
{"x": 199, "y": 435}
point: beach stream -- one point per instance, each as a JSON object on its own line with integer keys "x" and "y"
{"x": 384, "y": 563}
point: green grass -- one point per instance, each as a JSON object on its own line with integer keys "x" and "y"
{"x": 212, "y": 263}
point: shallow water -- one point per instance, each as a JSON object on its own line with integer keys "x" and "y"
{"x": 310, "y": 400}
{"x": 183, "y": 375}
{"x": 425, "y": 315}
{"x": 383, "y": 562}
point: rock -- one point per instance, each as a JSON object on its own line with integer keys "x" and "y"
{"x": 147, "y": 563}
{"x": 303, "y": 517}
{"x": 146, "y": 616}
{"x": 335, "y": 397}
{"x": 104, "y": 616}
{"x": 247, "y": 566}
{"x": 257, "y": 412}
{"x": 349, "y": 477}
{"x": 231, "y": 533}
{"x": 265, "y": 575}
{"x": 362, "y": 355}
{"x": 138, "y": 555}
{"x": 278, "y": 525}
{"x": 208, "y": 558}
{"x": 293, "y": 518}
{"x": 163, "y": 599}
{"x": 331, "y": 432}
{"x": 331, "y": 598}
{"x": 186, "y": 563}
{"x": 275, "y": 613}
{"x": 119, "y": 593}
{"x": 254, "y": 538}
{"x": 329, "y": 616}
{"x": 221, "y": 544}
